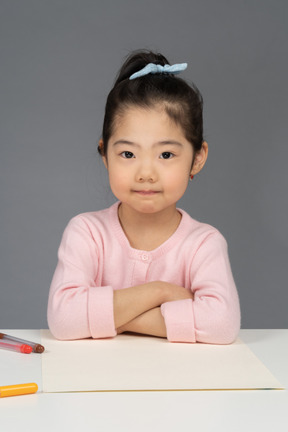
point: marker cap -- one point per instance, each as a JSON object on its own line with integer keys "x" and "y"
{"x": 26, "y": 349}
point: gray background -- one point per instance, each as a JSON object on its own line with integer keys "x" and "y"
{"x": 58, "y": 62}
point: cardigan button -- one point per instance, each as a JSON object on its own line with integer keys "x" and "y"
{"x": 145, "y": 257}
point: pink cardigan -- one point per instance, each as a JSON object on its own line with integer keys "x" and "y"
{"x": 95, "y": 258}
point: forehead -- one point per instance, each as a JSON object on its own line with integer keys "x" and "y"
{"x": 146, "y": 121}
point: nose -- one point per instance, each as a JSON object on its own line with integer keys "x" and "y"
{"x": 146, "y": 173}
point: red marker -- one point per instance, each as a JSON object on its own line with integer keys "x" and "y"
{"x": 36, "y": 347}
{"x": 22, "y": 348}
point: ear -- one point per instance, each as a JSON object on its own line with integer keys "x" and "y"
{"x": 200, "y": 159}
{"x": 101, "y": 148}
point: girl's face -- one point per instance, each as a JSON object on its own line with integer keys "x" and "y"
{"x": 149, "y": 160}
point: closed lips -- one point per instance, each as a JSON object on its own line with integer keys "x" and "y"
{"x": 147, "y": 192}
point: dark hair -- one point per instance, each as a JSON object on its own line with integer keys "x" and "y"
{"x": 183, "y": 103}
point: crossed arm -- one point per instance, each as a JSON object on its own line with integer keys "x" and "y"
{"x": 78, "y": 309}
{"x": 137, "y": 309}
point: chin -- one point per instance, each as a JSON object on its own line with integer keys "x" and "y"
{"x": 145, "y": 208}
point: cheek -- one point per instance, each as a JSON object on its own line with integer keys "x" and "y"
{"x": 181, "y": 182}
{"x": 118, "y": 179}
{"x": 179, "y": 176}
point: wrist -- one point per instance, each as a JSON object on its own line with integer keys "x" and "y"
{"x": 161, "y": 290}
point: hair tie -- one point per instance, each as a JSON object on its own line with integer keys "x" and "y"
{"x": 152, "y": 68}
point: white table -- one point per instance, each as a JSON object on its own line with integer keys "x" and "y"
{"x": 246, "y": 410}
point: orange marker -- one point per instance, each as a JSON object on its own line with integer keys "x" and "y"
{"x": 18, "y": 389}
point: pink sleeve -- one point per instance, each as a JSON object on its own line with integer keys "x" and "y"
{"x": 77, "y": 308}
{"x": 213, "y": 316}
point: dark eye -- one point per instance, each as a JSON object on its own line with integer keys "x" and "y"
{"x": 166, "y": 155}
{"x": 127, "y": 155}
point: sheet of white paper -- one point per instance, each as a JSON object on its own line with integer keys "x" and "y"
{"x": 130, "y": 362}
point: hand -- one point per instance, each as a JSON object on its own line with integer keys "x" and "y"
{"x": 150, "y": 322}
{"x": 173, "y": 292}
{"x": 134, "y": 301}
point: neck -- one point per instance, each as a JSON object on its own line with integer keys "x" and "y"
{"x": 147, "y": 231}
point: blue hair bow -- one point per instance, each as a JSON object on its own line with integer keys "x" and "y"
{"x": 155, "y": 68}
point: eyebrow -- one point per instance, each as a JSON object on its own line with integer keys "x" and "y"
{"x": 125, "y": 142}
{"x": 170, "y": 142}
{"x": 165, "y": 142}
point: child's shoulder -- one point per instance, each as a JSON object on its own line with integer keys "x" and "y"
{"x": 93, "y": 216}
{"x": 199, "y": 230}
{"x": 94, "y": 219}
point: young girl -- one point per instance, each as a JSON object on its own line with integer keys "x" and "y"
{"x": 143, "y": 265}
